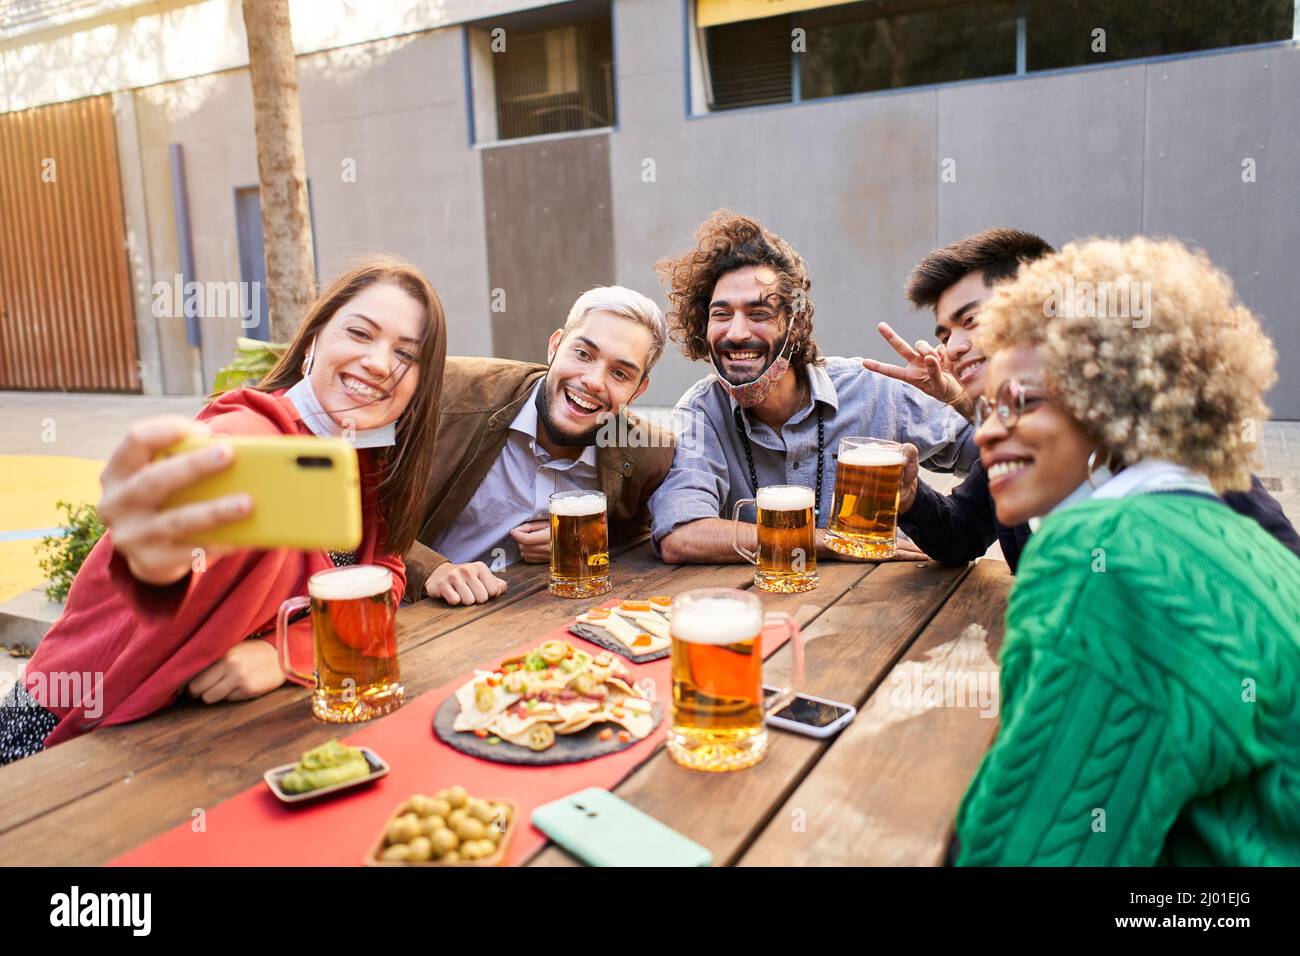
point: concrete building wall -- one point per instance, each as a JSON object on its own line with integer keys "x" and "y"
{"x": 1205, "y": 117}
{"x": 107, "y": 47}
{"x": 384, "y": 130}
{"x": 543, "y": 255}
{"x": 211, "y": 117}
{"x": 855, "y": 183}
{"x": 849, "y": 182}
{"x": 399, "y": 109}
{"x": 1058, "y": 155}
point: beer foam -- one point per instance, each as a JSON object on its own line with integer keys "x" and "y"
{"x": 346, "y": 584}
{"x": 719, "y": 620}
{"x": 874, "y": 456}
{"x": 578, "y": 505}
{"x": 785, "y": 498}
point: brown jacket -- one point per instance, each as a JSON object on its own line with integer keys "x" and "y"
{"x": 480, "y": 398}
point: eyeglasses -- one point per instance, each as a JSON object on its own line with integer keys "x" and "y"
{"x": 1012, "y": 400}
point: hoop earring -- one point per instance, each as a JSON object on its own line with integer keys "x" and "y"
{"x": 311, "y": 357}
{"x": 1092, "y": 465}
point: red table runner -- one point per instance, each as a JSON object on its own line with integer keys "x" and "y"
{"x": 255, "y": 829}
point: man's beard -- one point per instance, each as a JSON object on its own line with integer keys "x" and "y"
{"x": 744, "y": 378}
{"x": 543, "y": 404}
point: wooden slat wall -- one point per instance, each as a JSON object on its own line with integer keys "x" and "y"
{"x": 66, "y": 314}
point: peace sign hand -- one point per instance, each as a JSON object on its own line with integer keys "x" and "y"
{"x": 924, "y": 369}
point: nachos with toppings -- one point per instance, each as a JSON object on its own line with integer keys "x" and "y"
{"x": 553, "y": 689}
{"x": 641, "y": 626}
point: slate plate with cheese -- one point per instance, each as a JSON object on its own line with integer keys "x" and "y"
{"x": 634, "y": 629}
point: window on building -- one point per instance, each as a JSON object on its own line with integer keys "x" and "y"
{"x": 1065, "y": 33}
{"x": 750, "y": 63}
{"x": 549, "y": 70}
{"x": 861, "y": 47}
{"x": 833, "y": 48}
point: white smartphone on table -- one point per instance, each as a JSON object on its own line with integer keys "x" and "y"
{"x": 810, "y": 716}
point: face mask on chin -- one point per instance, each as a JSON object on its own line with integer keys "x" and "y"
{"x": 752, "y": 393}
{"x": 319, "y": 422}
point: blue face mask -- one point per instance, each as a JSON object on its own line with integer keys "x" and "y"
{"x": 321, "y": 425}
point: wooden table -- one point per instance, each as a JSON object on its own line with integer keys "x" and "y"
{"x": 887, "y": 638}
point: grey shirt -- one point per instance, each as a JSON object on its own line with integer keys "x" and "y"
{"x": 710, "y": 472}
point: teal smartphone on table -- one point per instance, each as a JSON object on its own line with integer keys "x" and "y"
{"x": 601, "y": 830}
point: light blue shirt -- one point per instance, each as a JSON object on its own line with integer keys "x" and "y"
{"x": 517, "y": 488}
{"x": 1147, "y": 476}
{"x": 710, "y": 473}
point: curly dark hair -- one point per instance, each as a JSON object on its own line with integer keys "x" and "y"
{"x": 726, "y": 242}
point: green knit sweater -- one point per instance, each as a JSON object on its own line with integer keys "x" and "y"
{"x": 1150, "y": 711}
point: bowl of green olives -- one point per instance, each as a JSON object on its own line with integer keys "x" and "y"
{"x": 449, "y": 828}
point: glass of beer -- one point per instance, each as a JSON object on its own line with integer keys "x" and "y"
{"x": 787, "y": 539}
{"x": 354, "y": 638}
{"x": 579, "y": 544}
{"x": 717, "y": 661}
{"x": 864, "y": 513}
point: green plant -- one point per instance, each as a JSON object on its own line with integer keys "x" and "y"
{"x": 64, "y": 555}
{"x": 253, "y": 360}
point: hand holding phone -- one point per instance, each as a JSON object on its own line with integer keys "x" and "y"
{"x": 305, "y": 491}
{"x": 152, "y": 537}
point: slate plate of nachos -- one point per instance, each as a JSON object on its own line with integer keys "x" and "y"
{"x": 637, "y": 630}
{"x": 556, "y": 704}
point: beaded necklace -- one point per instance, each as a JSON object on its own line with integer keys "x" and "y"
{"x": 821, "y": 456}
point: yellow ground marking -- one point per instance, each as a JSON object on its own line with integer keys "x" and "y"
{"x": 18, "y": 569}
{"x": 29, "y": 487}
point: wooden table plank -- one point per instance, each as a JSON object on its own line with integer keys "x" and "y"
{"x": 139, "y": 784}
{"x": 125, "y": 812}
{"x": 112, "y": 755}
{"x": 64, "y": 773}
{"x": 887, "y": 790}
{"x": 851, "y": 645}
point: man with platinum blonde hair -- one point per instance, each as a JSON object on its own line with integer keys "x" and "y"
{"x": 626, "y": 304}
{"x": 513, "y": 433}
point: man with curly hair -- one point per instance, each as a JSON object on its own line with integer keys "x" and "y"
{"x": 774, "y": 410}
{"x": 955, "y": 281}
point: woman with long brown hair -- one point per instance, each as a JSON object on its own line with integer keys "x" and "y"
{"x": 145, "y": 620}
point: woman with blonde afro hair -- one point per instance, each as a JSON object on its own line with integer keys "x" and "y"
{"x": 1151, "y": 663}
{"x": 1179, "y": 374}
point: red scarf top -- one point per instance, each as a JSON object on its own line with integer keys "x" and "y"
{"x": 134, "y": 646}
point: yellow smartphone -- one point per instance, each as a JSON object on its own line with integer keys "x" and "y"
{"x": 306, "y": 491}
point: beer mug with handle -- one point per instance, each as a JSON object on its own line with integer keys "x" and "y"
{"x": 864, "y": 512}
{"x": 786, "y": 559}
{"x": 717, "y": 665}
{"x": 354, "y": 638}
{"x": 579, "y": 545}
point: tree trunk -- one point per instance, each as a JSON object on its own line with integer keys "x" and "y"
{"x": 281, "y": 169}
